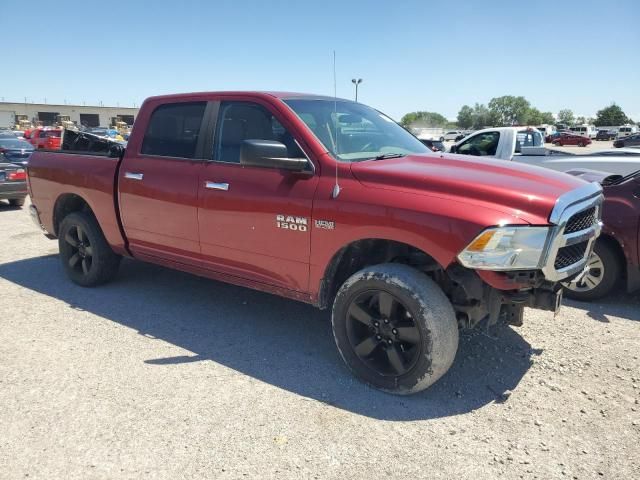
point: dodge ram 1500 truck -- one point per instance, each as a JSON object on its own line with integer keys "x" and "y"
{"x": 329, "y": 202}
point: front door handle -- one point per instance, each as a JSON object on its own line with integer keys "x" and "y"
{"x": 216, "y": 186}
{"x": 133, "y": 176}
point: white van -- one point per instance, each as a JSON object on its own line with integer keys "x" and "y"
{"x": 626, "y": 130}
{"x": 547, "y": 130}
{"x": 585, "y": 130}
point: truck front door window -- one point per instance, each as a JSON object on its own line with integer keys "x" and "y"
{"x": 484, "y": 144}
{"x": 240, "y": 121}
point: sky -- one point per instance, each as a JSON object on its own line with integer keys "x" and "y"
{"x": 411, "y": 55}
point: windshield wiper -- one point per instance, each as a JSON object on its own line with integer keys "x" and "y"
{"x": 384, "y": 156}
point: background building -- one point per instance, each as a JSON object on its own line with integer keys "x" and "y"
{"x": 89, "y": 116}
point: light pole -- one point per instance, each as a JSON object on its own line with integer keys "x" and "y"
{"x": 356, "y": 83}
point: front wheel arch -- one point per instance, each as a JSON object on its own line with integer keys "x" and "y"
{"x": 366, "y": 252}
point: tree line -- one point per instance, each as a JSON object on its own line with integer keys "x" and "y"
{"x": 511, "y": 110}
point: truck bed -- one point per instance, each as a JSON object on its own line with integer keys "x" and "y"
{"x": 92, "y": 177}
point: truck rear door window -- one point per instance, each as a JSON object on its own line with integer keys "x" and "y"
{"x": 173, "y": 130}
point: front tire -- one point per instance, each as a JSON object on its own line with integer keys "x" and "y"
{"x": 86, "y": 256}
{"x": 395, "y": 328}
{"x": 601, "y": 278}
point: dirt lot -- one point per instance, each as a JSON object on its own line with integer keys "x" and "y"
{"x": 166, "y": 375}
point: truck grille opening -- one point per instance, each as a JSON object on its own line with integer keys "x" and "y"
{"x": 581, "y": 221}
{"x": 570, "y": 254}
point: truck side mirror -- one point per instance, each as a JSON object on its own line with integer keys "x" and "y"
{"x": 452, "y": 149}
{"x": 270, "y": 154}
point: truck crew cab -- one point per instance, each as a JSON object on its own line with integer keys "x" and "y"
{"x": 325, "y": 201}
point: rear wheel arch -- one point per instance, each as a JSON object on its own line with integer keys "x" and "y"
{"x": 68, "y": 203}
{"x": 367, "y": 252}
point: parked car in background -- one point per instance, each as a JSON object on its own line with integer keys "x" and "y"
{"x": 452, "y": 134}
{"x": 571, "y": 139}
{"x": 546, "y": 130}
{"x": 585, "y": 130}
{"x": 15, "y": 150}
{"x": 435, "y": 145}
{"x": 615, "y": 258}
{"x": 7, "y": 134}
{"x": 626, "y": 130}
{"x": 462, "y": 135}
{"x": 606, "y": 135}
{"x": 13, "y": 183}
{"x": 630, "y": 141}
{"x": 554, "y": 135}
{"x": 19, "y": 133}
{"x": 525, "y": 145}
{"x": 46, "y": 138}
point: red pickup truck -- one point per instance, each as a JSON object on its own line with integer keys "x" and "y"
{"x": 325, "y": 201}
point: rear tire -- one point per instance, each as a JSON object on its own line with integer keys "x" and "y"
{"x": 16, "y": 202}
{"x": 86, "y": 256}
{"x": 603, "y": 276}
{"x": 395, "y": 328}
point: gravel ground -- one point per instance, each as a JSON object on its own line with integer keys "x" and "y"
{"x": 165, "y": 375}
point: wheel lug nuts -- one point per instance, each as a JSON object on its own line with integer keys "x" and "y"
{"x": 395, "y": 332}
{"x": 376, "y": 324}
{"x": 386, "y": 320}
{"x": 389, "y": 342}
{"x": 378, "y": 337}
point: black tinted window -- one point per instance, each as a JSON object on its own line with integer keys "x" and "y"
{"x": 240, "y": 121}
{"x": 173, "y": 130}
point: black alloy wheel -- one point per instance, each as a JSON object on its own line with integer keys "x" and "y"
{"x": 383, "y": 333}
{"x": 85, "y": 254}
{"x": 82, "y": 251}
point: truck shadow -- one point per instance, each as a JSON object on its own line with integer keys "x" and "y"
{"x": 281, "y": 342}
{"x": 618, "y": 304}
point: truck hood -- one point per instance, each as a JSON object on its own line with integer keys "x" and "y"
{"x": 521, "y": 191}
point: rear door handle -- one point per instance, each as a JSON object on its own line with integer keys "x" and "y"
{"x": 216, "y": 186}
{"x": 133, "y": 176}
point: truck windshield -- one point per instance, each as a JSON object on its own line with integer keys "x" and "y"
{"x": 353, "y": 132}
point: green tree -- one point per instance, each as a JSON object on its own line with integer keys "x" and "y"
{"x": 547, "y": 118}
{"x": 424, "y": 120}
{"x": 566, "y": 117}
{"x": 481, "y": 116}
{"x": 580, "y": 120}
{"x": 611, "y": 115}
{"x": 509, "y": 110}
{"x": 534, "y": 117}
{"x": 465, "y": 117}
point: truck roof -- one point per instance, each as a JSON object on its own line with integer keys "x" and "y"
{"x": 255, "y": 93}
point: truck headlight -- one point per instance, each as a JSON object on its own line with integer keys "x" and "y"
{"x": 506, "y": 248}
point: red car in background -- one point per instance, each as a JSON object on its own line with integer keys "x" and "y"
{"x": 571, "y": 139}
{"x": 47, "y": 138}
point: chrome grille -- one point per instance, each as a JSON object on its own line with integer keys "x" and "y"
{"x": 581, "y": 221}
{"x": 570, "y": 254}
{"x": 576, "y": 217}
